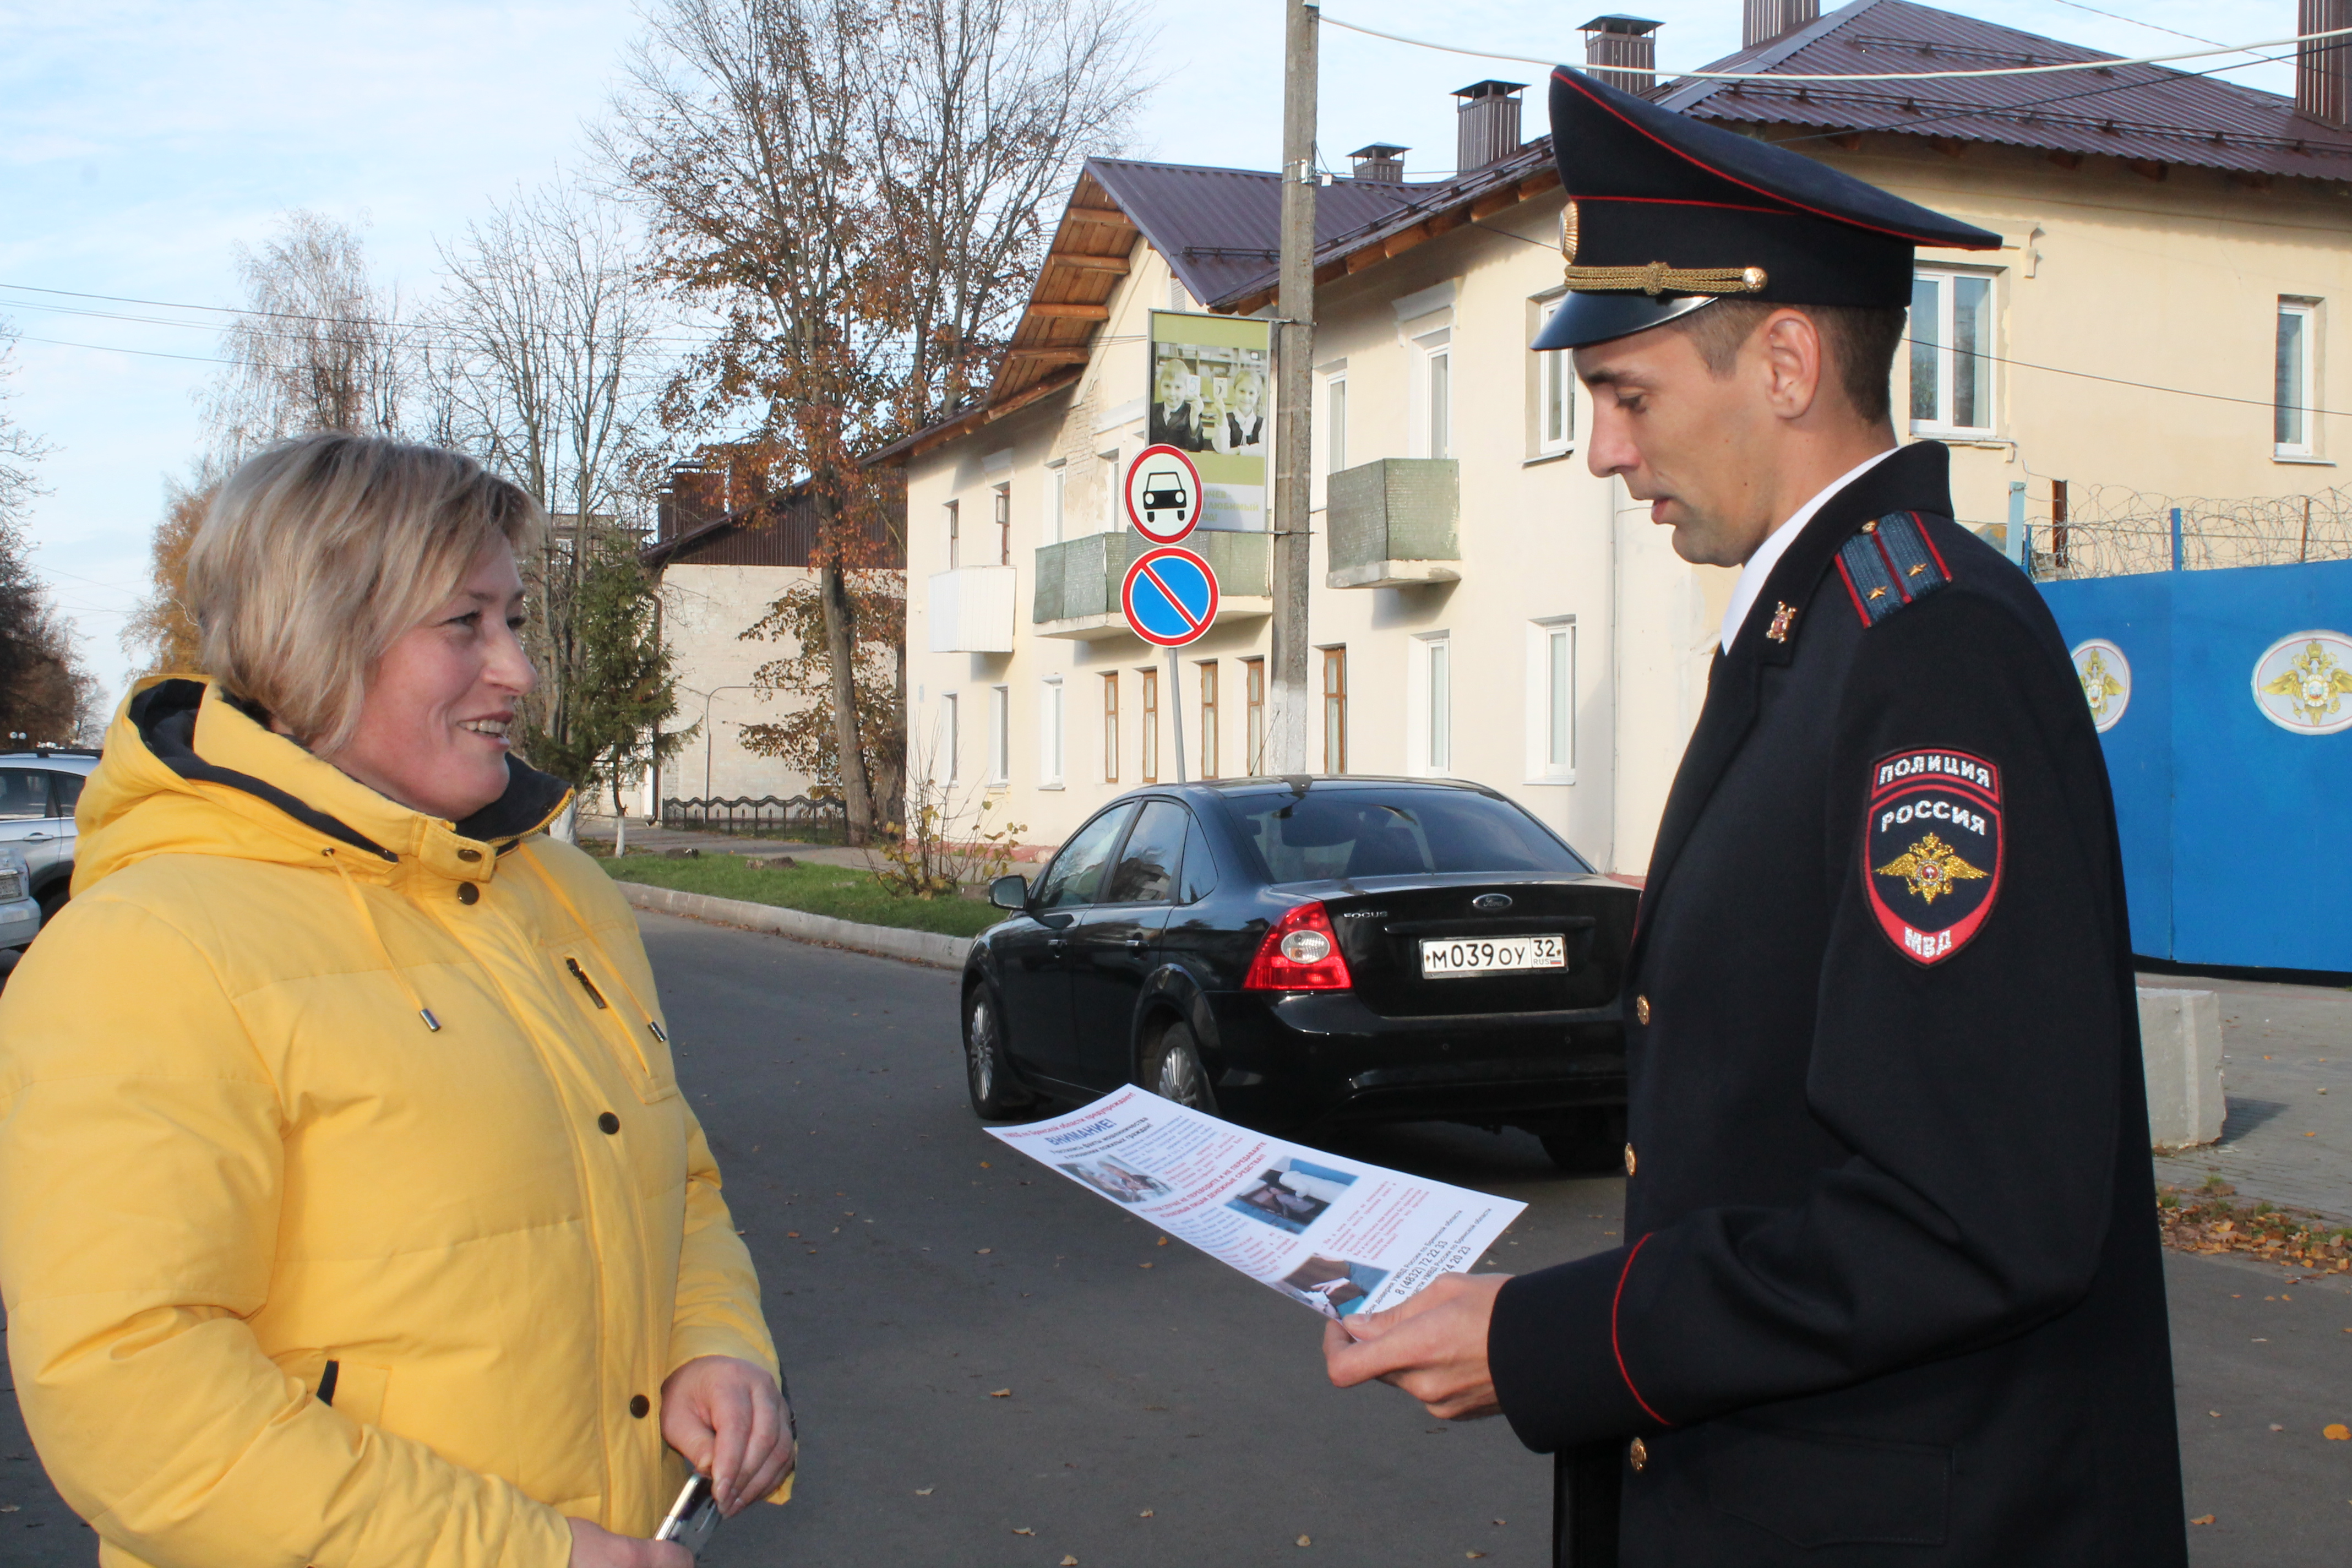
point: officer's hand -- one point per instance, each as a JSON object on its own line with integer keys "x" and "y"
{"x": 1433, "y": 1345}
{"x": 730, "y": 1420}
{"x": 594, "y": 1547}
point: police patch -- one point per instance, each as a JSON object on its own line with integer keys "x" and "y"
{"x": 1931, "y": 849}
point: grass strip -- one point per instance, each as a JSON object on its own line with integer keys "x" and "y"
{"x": 2204, "y": 1219}
{"x": 842, "y": 893}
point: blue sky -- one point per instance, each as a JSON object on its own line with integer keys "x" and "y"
{"x": 141, "y": 141}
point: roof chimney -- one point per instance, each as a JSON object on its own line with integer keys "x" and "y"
{"x": 2323, "y": 69}
{"x": 1383, "y": 160}
{"x": 1761, "y": 21}
{"x": 1486, "y": 127}
{"x": 1623, "y": 51}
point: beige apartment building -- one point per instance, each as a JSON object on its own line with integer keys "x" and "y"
{"x": 1485, "y": 607}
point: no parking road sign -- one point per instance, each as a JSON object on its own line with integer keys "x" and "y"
{"x": 1163, "y": 494}
{"x": 1169, "y": 596}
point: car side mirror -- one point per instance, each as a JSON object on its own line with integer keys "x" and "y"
{"x": 1009, "y": 892}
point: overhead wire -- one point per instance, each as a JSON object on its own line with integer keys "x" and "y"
{"x": 2099, "y": 63}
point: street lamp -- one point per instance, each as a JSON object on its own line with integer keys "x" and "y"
{"x": 707, "y": 696}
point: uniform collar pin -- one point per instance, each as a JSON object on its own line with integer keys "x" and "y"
{"x": 1784, "y": 615}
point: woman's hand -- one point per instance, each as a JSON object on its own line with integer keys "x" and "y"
{"x": 594, "y": 1547}
{"x": 730, "y": 1420}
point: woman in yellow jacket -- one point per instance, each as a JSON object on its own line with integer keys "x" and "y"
{"x": 350, "y": 1214}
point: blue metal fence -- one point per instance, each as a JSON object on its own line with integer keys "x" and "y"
{"x": 2233, "y": 783}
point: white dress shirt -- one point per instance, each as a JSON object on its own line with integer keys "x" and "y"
{"x": 1776, "y": 544}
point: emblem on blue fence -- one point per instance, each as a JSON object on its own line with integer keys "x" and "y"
{"x": 2304, "y": 683}
{"x": 2107, "y": 679}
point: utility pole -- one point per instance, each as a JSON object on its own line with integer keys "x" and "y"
{"x": 1293, "y": 360}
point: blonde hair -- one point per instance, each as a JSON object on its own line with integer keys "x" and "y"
{"x": 318, "y": 555}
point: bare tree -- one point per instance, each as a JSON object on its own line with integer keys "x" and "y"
{"x": 997, "y": 103}
{"x": 46, "y": 693}
{"x": 318, "y": 345}
{"x": 853, "y": 186}
{"x": 542, "y": 362}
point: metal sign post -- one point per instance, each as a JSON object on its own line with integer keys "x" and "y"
{"x": 1169, "y": 598}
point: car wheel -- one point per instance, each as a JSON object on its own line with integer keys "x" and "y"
{"x": 1173, "y": 1071}
{"x": 996, "y": 1092}
{"x": 1589, "y": 1143}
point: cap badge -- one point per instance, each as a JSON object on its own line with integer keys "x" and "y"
{"x": 1568, "y": 221}
{"x": 1784, "y": 615}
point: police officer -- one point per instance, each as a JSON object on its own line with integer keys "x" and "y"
{"x": 1891, "y": 1290}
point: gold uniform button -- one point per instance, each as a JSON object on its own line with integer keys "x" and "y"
{"x": 1641, "y": 1008}
{"x": 1629, "y": 1158}
{"x": 1637, "y": 1453}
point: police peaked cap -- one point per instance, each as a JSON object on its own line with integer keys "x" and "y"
{"x": 1666, "y": 213}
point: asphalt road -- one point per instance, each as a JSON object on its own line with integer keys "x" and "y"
{"x": 1159, "y": 1409}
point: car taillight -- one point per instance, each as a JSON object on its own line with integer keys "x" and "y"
{"x": 1301, "y": 952}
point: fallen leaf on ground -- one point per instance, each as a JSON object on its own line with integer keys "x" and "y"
{"x": 793, "y": 1234}
{"x": 1069, "y": 1561}
{"x": 925, "y": 1491}
{"x": 1145, "y": 1514}
{"x": 8, "y": 1507}
{"x": 1305, "y": 1541}
{"x": 1474, "y": 1556}
{"x": 1023, "y": 1529}
{"x": 2202, "y": 1518}
{"x": 2337, "y": 1432}
{"x": 1161, "y": 1242}
{"x": 986, "y": 1251}
{"x": 1000, "y": 1393}
{"x": 1143, "y": 1265}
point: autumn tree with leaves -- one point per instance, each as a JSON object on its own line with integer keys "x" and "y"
{"x": 162, "y": 635}
{"x": 855, "y": 190}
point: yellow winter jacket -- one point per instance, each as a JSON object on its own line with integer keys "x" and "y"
{"x": 234, "y": 1150}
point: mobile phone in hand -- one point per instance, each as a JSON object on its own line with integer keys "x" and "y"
{"x": 693, "y": 1518}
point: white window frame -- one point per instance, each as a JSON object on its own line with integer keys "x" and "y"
{"x": 951, "y": 722}
{"x": 1114, "y": 504}
{"x": 1551, "y": 700}
{"x": 1001, "y": 517}
{"x": 1429, "y": 704}
{"x": 1057, "y": 499}
{"x": 1335, "y": 423}
{"x": 1947, "y": 355}
{"x": 2307, "y": 396}
{"x": 1435, "y": 384}
{"x": 1050, "y": 733}
{"x": 952, "y": 513}
{"x": 1555, "y": 389}
{"x": 1000, "y": 736}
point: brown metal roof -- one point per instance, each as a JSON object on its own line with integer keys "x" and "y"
{"x": 2148, "y": 116}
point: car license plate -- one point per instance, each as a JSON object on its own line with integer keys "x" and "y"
{"x": 1442, "y": 957}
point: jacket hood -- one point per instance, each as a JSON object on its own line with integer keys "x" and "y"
{"x": 188, "y": 770}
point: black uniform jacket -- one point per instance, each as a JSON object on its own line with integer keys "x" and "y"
{"x": 1891, "y": 1290}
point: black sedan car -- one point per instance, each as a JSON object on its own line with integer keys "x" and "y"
{"x": 1290, "y": 952}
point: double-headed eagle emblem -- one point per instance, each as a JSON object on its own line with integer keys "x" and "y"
{"x": 2314, "y": 684}
{"x": 2099, "y": 684}
{"x": 1931, "y": 867}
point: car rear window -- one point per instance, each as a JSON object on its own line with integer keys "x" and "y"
{"x": 1344, "y": 833}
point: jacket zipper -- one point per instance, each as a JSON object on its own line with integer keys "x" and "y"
{"x": 652, "y": 1025}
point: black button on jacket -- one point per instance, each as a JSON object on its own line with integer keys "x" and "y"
{"x": 1891, "y": 1289}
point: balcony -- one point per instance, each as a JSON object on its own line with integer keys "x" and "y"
{"x": 1393, "y": 524}
{"x": 971, "y": 610}
{"x": 1078, "y": 580}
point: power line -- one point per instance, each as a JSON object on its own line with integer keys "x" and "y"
{"x": 2105, "y": 62}
{"x": 411, "y": 327}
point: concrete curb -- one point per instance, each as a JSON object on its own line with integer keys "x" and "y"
{"x": 884, "y": 942}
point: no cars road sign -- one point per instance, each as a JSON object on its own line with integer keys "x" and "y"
{"x": 1169, "y": 596}
{"x": 1163, "y": 494}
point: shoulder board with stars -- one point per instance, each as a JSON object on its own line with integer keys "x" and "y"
{"x": 1890, "y": 563}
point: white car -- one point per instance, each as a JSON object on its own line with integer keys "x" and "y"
{"x": 20, "y": 912}
{"x": 39, "y": 790}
